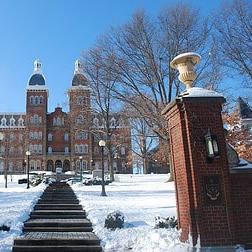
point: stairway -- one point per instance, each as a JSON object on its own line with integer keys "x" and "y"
{"x": 57, "y": 223}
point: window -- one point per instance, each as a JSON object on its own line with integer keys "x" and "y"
{"x": 38, "y": 165}
{"x": 66, "y": 136}
{"x": 12, "y": 122}
{"x": 3, "y": 122}
{"x": 32, "y": 164}
{"x": 80, "y": 100}
{"x": 21, "y": 122}
{"x": 20, "y": 151}
{"x": 2, "y": 150}
{"x": 41, "y": 100}
{"x": 81, "y": 135}
{"x": 11, "y": 150}
{"x": 123, "y": 150}
{"x": 113, "y": 122}
{"x": 31, "y": 135}
{"x": 49, "y": 137}
{"x": 79, "y": 119}
{"x": 66, "y": 150}
{"x": 31, "y": 100}
{"x": 35, "y": 135}
{"x": 12, "y": 137}
{"x": 49, "y": 149}
{"x": 95, "y": 122}
{"x": 1, "y": 166}
{"x": 40, "y": 135}
{"x": 81, "y": 148}
{"x": 39, "y": 148}
{"x": 36, "y": 100}
{"x": 96, "y": 150}
{"x": 20, "y": 137}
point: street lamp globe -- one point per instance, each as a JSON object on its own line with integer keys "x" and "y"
{"x": 102, "y": 143}
{"x": 28, "y": 153}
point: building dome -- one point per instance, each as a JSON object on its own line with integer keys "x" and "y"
{"x": 37, "y": 79}
{"x": 79, "y": 80}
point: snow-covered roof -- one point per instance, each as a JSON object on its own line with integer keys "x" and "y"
{"x": 200, "y": 92}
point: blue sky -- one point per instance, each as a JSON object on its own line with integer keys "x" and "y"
{"x": 56, "y": 32}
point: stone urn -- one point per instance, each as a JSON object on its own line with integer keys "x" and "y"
{"x": 185, "y": 63}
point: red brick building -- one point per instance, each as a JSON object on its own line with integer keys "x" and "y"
{"x": 59, "y": 139}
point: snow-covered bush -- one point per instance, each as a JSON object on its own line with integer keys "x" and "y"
{"x": 4, "y": 228}
{"x": 170, "y": 222}
{"x": 114, "y": 220}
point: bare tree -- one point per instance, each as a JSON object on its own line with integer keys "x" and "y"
{"x": 233, "y": 26}
{"x": 98, "y": 69}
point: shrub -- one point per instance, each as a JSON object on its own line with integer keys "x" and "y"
{"x": 114, "y": 220}
{"x": 170, "y": 222}
{"x": 4, "y": 228}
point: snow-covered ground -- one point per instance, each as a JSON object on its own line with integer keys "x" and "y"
{"x": 16, "y": 202}
{"x": 140, "y": 198}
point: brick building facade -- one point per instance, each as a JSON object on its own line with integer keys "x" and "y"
{"x": 59, "y": 139}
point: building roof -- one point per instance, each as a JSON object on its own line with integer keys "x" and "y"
{"x": 79, "y": 80}
{"x": 37, "y": 79}
{"x": 244, "y": 108}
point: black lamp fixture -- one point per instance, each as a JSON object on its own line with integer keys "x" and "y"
{"x": 211, "y": 146}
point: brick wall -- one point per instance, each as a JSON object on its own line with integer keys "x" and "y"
{"x": 188, "y": 122}
{"x": 241, "y": 184}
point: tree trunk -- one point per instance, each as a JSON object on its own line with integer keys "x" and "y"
{"x": 171, "y": 178}
{"x": 145, "y": 165}
{"x": 111, "y": 169}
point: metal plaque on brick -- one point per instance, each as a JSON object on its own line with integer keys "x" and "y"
{"x": 212, "y": 189}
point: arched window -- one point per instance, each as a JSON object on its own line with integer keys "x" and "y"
{"x": 66, "y": 150}
{"x": 113, "y": 122}
{"x": 40, "y": 135}
{"x": 12, "y": 137}
{"x": 49, "y": 137}
{"x": 31, "y": 100}
{"x": 81, "y": 135}
{"x": 38, "y": 165}
{"x": 41, "y": 100}
{"x": 76, "y": 147}
{"x": 12, "y": 122}
{"x": 40, "y": 148}
{"x": 49, "y": 149}
{"x": 20, "y": 137}
{"x": 3, "y": 122}
{"x": 36, "y": 119}
{"x": 96, "y": 122}
{"x": 2, "y": 150}
{"x": 54, "y": 121}
{"x": 20, "y": 122}
{"x": 32, "y": 164}
{"x": 1, "y": 166}
{"x": 79, "y": 119}
{"x": 31, "y": 136}
{"x": 66, "y": 137}
{"x": 85, "y": 148}
{"x": 58, "y": 121}
{"x": 77, "y": 165}
{"x": 36, "y": 100}
{"x": 20, "y": 151}
{"x": 35, "y": 135}
{"x": 123, "y": 150}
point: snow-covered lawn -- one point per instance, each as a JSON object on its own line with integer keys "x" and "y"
{"x": 16, "y": 202}
{"x": 140, "y": 198}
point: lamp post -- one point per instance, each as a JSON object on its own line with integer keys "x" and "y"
{"x": 80, "y": 158}
{"x": 102, "y": 144}
{"x": 28, "y": 153}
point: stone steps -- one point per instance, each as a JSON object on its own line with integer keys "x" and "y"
{"x": 57, "y": 223}
{"x": 65, "y": 248}
{"x": 57, "y": 229}
{"x": 57, "y": 207}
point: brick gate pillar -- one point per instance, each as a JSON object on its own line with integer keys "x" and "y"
{"x": 202, "y": 179}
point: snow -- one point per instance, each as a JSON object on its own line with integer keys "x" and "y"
{"x": 199, "y": 92}
{"x": 16, "y": 202}
{"x": 140, "y": 198}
